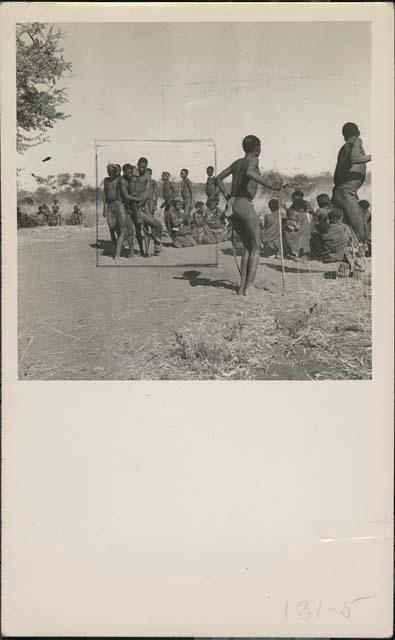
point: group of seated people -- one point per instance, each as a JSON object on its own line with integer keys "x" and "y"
{"x": 48, "y": 217}
{"x": 320, "y": 234}
{"x": 204, "y": 224}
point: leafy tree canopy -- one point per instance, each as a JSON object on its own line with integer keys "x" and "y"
{"x": 39, "y": 66}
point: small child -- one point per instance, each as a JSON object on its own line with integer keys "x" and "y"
{"x": 290, "y": 222}
{"x": 320, "y": 217}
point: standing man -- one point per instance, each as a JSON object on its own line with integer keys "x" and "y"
{"x": 110, "y": 208}
{"x": 143, "y": 189}
{"x": 245, "y": 179}
{"x": 186, "y": 192}
{"x": 168, "y": 195}
{"x": 349, "y": 176}
{"x": 211, "y": 187}
{"x": 130, "y": 203}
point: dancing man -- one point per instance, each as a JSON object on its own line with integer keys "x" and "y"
{"x": 245, "y": 179}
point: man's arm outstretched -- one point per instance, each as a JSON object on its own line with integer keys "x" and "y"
{"x": 253, "y": 173}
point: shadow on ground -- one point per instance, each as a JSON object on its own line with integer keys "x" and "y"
{"x": 195, "y": 280}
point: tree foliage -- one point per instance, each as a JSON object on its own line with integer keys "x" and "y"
{"x": 39, "y": 66}
{"x": 62, "y": 182}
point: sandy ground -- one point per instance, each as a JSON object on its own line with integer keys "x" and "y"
{"x": 76, "y": 319}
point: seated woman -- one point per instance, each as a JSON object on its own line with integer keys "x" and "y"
{"x": 198, "y": 224}
{"x": 178, "y": 226}
{"x": 337, "y": 245}
{"x": 297, "y": 229}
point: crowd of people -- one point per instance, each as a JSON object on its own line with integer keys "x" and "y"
{"x": 340, "y": 230}
{"x": 131, "y": 207}
{"x": 320, "y": 234}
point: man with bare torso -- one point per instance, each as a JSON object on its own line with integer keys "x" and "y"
{"x": 131, "y": 202}
{"x": 168, "y": 195}
{"x": 110, "y": 208}
{"x": 186, "y": 192}
{"x": 211, "y": 186}
{"x": 143, "y": 190}
{"x": 245, "y": 179}
{"x": 349, "y": 176}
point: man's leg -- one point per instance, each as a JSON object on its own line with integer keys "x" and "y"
{"x": 253, "y": 260}
{"x": 246, "y": 225}
{"x": 130, "y": 234}
{"x": 346, "y": 198}
{"x": 112, "y": 222}
{"x": 121, "y": 217}
{"x": 156, "y": 229}
{"x": 167, "y": 220}
{"x": 243, "y": 268}
{"x": 187, "y": 208}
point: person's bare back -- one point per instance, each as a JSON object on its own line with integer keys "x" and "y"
{"x": 242, "y": 185}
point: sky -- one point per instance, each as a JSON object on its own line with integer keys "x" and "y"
{"x": 292, "y": 84}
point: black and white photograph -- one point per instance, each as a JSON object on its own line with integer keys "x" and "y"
{"x": 197, "y": 317}
{"x": 194, "y": 200}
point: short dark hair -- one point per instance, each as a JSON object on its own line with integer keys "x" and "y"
{"x": 210, "y": 167}
{"x": 334, "y": 215}
{"x": 118, "y": 166}
{"x": 199, "y": 204}
{"x": 126, "y": 167}
{"x": 186, "y": 171}
{"x": 323, "y": 199}
{"x": 141, "y": 160}
{"x": 298, "y": 194}
{"x": 149, "y": 169}
{"x": 364, "y": 204}
{"x": 250, "y": 143}
{"x": 273, "y": 205}
{"x": 350, "y": 129}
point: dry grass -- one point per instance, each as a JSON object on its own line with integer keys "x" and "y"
{"x": 322, "y": 333}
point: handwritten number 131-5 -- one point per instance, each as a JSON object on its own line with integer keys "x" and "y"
{"x": 306, "y": 611}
